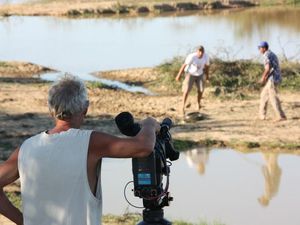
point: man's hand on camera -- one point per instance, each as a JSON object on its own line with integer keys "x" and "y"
{"x": 151, "y": 122}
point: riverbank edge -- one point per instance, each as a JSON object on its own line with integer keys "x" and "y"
{"x": 99, "y": 9}
{"x": 20, "y": 69}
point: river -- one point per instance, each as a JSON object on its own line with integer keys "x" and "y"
{"x": 88, "y": 45}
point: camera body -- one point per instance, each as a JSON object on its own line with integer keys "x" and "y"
{"x": 148, "y": 172}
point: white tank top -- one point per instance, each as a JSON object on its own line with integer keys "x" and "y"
{"x": 54, "y": 182}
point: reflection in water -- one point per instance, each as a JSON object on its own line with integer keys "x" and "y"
{"x": 198, "y": 158}
{"x": 272, "y": 175}
{"x": 264, "y": 20}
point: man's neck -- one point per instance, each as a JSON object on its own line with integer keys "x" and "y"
{"x": 64, "y": 125}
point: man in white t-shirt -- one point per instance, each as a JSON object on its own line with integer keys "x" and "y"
{"x": 60, "y": 168}
{"x": 196, "y": 67}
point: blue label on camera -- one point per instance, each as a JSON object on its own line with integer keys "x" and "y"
{"x": 144, "y": 178}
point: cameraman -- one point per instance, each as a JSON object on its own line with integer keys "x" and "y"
{"x": 59, "y": 169}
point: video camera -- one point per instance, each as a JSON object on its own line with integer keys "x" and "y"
{"x": 148, "y": 171}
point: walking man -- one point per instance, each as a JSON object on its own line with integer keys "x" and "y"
{"x": 196, "y": 67}
{"x": 271, "y": 78}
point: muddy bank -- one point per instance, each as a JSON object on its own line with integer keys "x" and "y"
{"x": 16, "y": 69}
{"x": 102, "y": 8}
{"x": 22, "y": 72}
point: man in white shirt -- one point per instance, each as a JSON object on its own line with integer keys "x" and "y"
{"x": 60, "y": 168}
{"x": 196, "y": 67}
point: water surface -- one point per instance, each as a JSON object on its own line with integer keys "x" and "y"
{"x": 224, "y": 185}
{"x": 88, "y": 45}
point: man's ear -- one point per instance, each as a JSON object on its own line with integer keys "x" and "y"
{"x": 85, "y": 111}
{"x": 86, "y": 107}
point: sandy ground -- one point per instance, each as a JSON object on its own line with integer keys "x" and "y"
{"x": 24, "y": 112}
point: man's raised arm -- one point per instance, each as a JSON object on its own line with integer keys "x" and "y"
{"x": 105, "y": 145}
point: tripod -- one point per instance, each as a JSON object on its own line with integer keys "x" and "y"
{"x": 154, "y": 217}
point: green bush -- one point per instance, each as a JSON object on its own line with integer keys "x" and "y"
{"x": 290, "y": 76}
{"x": 167, "y": 74}
{"x": 232, "y": 76}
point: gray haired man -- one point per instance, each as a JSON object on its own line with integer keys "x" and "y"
{"x": 59, "y": 168}
{"x": 271, "y": 78}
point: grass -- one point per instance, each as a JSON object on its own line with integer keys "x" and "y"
{"x": 183, "y": 145}
{"x": 291, "y": 76}
{"x": 15, "y": 198}
{"x": 110, "y": 219}
{"x": 3, "y": 64}
{"x": 134, "y": 218}
{"x": 168, "y": 73}
{"x": 127, "y": 218}
{"x": 264, "y": 146}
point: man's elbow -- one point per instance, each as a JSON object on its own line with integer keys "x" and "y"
{"x": 144, "y": 152}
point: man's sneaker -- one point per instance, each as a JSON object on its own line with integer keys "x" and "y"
{"x": 281, "y": 119}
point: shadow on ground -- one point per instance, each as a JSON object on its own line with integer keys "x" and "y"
{"x": 14, "y": 129}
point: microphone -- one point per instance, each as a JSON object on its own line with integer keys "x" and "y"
{"x": 165, "y": 126}
{"x": 167, "y": 122}
{"x": 126, "y": 124}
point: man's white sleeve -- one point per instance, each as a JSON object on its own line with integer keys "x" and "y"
{"x": 188, "y": 60}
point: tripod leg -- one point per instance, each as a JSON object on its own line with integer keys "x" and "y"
{"x": 154, "y": 217}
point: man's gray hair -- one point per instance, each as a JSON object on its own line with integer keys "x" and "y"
{"x": 67, "y": 97}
